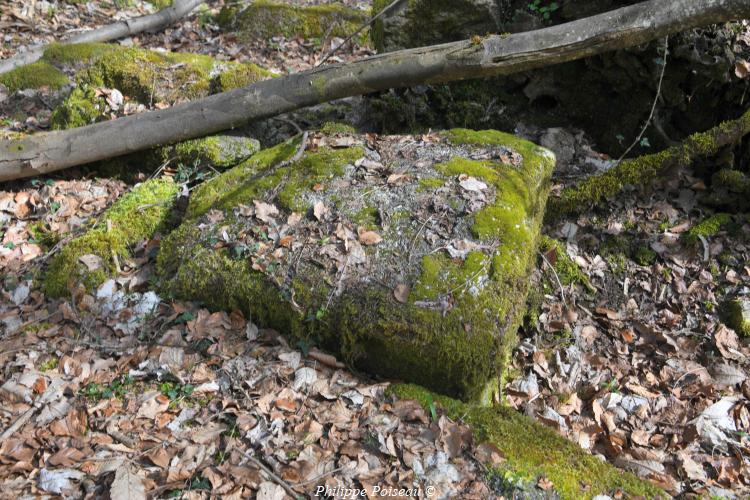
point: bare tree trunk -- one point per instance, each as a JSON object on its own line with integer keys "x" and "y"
{"x": 120, "y": 29}
{"x": 488, "y": 56}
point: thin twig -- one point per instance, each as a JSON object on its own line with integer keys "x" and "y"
{"x": 320, "y": 476}
{"x": 557, "y": 278}
{"x": 365, "y": 25}
{"x": 653, "y": 106}
{"x": 263, "y": 467}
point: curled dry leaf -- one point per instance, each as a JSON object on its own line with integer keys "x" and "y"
{"x": 401, "y": 292}
{"x": 368, "y": 237}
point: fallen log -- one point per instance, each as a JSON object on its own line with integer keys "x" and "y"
{"x": 479, "y": 57}
{"x": 120, "y": 29}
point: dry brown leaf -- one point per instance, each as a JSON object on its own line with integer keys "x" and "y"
{"x": 127, "y": 485}
{"x": 368, "y": 237}
{"x": 320, "y": 210}
{"x": 401, "y": 292}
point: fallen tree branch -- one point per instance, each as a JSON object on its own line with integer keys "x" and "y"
{"x": 120, "y": 29}
{"x": 645, "y": 169}
{"x": 489, "y": 56}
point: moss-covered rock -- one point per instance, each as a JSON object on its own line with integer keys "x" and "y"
{"x": 142, "y": 78}
{"x": 736, "y": 313}
{"x": 34, "y": 76}
{"x": 534, "y": 451}
{"x": 347, "y": 249}
{"x": 147, "y": 76}
{"x": 90, "y": 258}
{"x": 264, "y": 19}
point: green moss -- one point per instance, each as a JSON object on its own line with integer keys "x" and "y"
{"x": 247, "y": 181}
{"x": 644, "y": 256}
{"x": 368, "y": 218}
{"x": 431, "y": 183}
{"x": 147, "y": 76}
{"x": 534, "y": 451}
{"x": 42, "y": 235}
{"x": 219, "y": 151}
{"x": 229, "y": 14}
{"x": 736, "y": 314}
{"x": 160, "y": 4}
{"x": 566, "y": 269}
{"x": 50, "y": 364}
{"x": 137, "y": 215}
{"x": 240, "y": 76}
{"x": 264, "y": 19}
{"x": 82, "y": 107}
{"x": 708, "y": 227}
{"x": 643, "y": 170}
{"x": 77, "y": 53}
{"x": 34, "y": 76}
{"x": 333, "y": 128}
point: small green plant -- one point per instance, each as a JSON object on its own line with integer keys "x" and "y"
{"x": 48, "y": 365}
{"x": 115, "y": 389}
{"x": 174, "y": 390}
{"x": 612, "y": 385}
{"x": 545, "y": 10}
{"x": 433, "y": 409}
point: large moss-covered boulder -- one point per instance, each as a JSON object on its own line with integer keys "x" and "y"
{"x": 108, "y": 81}
{"x": 408, "y": 256}
{"x": 699, "y": 89}
{"x": 264, "y": 19}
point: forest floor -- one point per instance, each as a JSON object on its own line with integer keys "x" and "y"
{"x": 632, "y": 362}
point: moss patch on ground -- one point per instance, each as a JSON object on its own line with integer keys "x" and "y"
{"x": 134, "y": 217}
{"x": 534, "y": 451}
{"x": 34, "y": 76}
{"x": 453, "y": 327}
{"x": 708, "y": 227}
{"x": 264, "y": 19}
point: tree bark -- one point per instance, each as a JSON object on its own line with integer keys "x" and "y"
{"x": 120, "y": 29}
{"x": 479, "y": 57}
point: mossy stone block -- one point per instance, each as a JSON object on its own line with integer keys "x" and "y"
{"x": 265, "y": 19}
{"x": 345, "y": 248}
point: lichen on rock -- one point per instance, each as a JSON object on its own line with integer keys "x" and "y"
{"x": 90, "y": 258}
{"x": 346, "y": 248}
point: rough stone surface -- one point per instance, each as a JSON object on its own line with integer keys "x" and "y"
{"x": 408, "y": 256}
